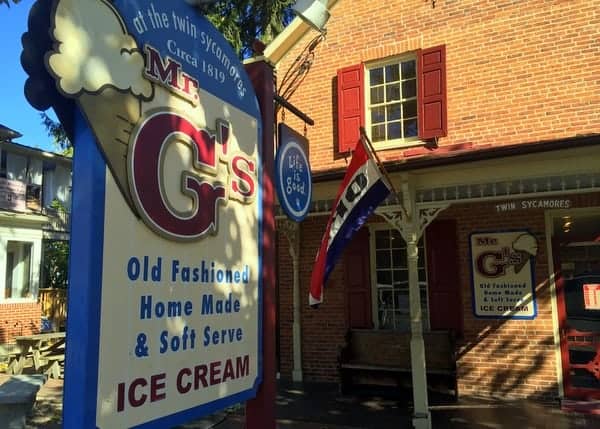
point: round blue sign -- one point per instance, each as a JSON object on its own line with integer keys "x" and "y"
{"x": 293, "y": 180}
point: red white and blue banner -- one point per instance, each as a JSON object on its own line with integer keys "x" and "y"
{"x": 364, "y": 187}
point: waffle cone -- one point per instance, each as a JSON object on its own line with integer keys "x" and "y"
{"x": 112, "y": 115}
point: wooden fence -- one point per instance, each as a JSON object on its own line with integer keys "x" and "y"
{"x": 54, "y": 306}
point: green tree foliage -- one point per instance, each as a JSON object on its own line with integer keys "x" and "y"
{"x": 243, "y": 21}
{"x": 58, "y": 134}
{"x": 56, "y": 258}
{"x": 56, "y": 263}
{"x": 7, "y": 2}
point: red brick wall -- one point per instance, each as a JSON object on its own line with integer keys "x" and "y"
{"x": 505, "y": 358}
{"x": 19, "y": 319}
{"x": 284, "y": 285}
{"x": 517, "y": 71}
{"x": 323, "y": 329}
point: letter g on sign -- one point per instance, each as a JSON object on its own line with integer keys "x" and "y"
{"x": 146, "y": 177}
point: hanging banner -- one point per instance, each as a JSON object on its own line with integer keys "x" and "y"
{"x": 293, "y": 178}
{"x": 12, "y": 195}
{"x": 165, "y": 293}
{"x": 502, "y": 274}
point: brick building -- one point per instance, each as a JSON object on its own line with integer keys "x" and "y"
{"x": 486, "y": 115}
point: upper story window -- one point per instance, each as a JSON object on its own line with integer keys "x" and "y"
{"x": 401, "y": 101}
{"x": 392, "y": 102}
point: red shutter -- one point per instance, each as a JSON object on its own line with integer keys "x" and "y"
{"x": 351, "y": 107}
{"x": 431, "y": 67}
{"x": 358, "y": 281}
{"x": 443, "y": 282}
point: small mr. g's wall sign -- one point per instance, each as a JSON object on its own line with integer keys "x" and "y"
{"x": 165, "y": 293}
{"x": 502, "y": 274}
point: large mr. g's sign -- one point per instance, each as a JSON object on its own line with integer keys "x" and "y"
{"x": 165, "y": 286}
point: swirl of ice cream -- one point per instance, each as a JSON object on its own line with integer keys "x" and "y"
{"x": 526, "y": 243}
{"x": 94, "y": 50}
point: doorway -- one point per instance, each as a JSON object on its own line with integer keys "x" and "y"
{"x": 576, "y": 251}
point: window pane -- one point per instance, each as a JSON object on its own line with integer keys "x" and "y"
{"x": 409, "y": 69}
{"x": 410, "y": 109}
{"x": 384, "y": 278}
{"x": 410, "y": 128}
{"x": 382, "y": 239}
{"x": 402, "y": 322}
{"x": 392, "y": 73}
{"x": 18, "y": 270}
{"x": 409, "y": 88}
{"x": 401, "y": 278}
{"x": 394, "y": 131}
{"x": 386, "y": 299}
{"x": 392, "y": 92}
{"x": 383, "y": 259}
{"x": 401, "y": 259}
{"x": 377, "y": 114}
{"x": 402, "y": 301}
{"x": 394, "y": 111}
{"x": 422, "y": 275}
{"x": 376, "y": 76}
{"x": 386, "y": 319}
{"x": 397, "y": 240}
{"x": 377, "y": 95}
{"x": 378, "y": 133}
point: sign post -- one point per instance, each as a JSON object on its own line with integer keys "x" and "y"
{"x": 260, "y": 411}
{"x": 168, "y": 297}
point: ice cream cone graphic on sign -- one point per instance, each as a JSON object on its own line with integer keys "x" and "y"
{"x": 525, "y": 246}
{"x": 100, "y": 65}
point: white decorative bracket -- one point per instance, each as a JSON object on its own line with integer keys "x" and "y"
{"x": 397, "y": 217}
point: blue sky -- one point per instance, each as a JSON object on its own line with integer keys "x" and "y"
{"x": 15, "y": 111}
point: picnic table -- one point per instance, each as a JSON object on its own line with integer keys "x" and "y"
{"x": 44, "y": 352}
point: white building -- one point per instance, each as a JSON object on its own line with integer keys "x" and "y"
{"x": 32, "y": 181}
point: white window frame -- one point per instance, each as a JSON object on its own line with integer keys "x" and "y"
{"x": 395, "y": 143}
{"x": 373, "y": 228}
{"x": 24, "y": 235}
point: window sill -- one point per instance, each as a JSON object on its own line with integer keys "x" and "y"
{"x": 9, "y": 301}
{"x": 398, "y": 144}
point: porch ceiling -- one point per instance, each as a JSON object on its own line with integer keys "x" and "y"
{"x": 558, "y": 172}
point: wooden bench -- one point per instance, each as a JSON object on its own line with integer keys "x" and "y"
{"x": 17, "y": 396}
{"x": 381, "y": 357}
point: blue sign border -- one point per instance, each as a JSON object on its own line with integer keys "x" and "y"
{"x": 290, "y": 139}
{"x": 532, "y": 261}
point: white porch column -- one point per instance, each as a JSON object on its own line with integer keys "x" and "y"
{"x": 412, "y": 233}
{"x": 411, "y": 221}
{"x": 292, "y": 232}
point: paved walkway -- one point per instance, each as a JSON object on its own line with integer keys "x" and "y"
{"x": 319, "y": 406}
